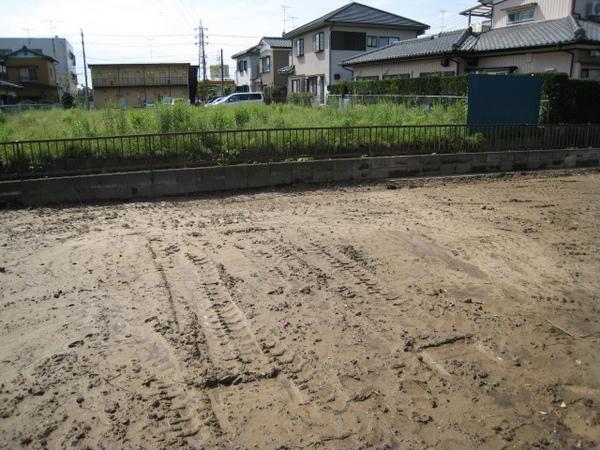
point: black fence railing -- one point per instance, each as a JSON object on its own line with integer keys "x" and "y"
{"x": 53, "y": 157}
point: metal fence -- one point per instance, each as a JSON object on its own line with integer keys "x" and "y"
{"x": 21, "y": 159}
{"x": 427, "y": 101}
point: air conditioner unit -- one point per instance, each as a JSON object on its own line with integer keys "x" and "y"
{"x": 593, "y": 9}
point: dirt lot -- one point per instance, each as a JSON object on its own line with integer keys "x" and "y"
{"x": 459, "y": 313}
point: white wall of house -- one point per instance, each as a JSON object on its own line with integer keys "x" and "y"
{"x": 245, "y": 78}
{"x": 530, "y": 62}
{"x": 312, "y": 63}
{"x": 327, "y": 63}
{"x": 544, "y": 10}
{"x": 524, "y": 62}
{"x": 337, "y": 56}
{"x": 412, "y": 68}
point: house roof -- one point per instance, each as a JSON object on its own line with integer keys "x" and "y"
{"x": 357, "y": 13}
{"x": 34, "y": 52}
{"x": 533, "y": 34}
{"x": 277, "y": 42}
{"x": 424, "y": 46}
{"x": 6, "y": 84}
{"x": 548, "y": 33}
{"x": 248, "y": 51}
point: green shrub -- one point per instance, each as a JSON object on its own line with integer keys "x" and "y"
{"x": 300, "y": 98}
{"x": 404, "y": 86}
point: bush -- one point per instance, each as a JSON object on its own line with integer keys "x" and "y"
{"x": 301, "y": 98}
{"x": 275, "y": 94}
{"x": 571, "y": 100}
{"x": 404, "y": 86}
{"x": 67, "y": 100}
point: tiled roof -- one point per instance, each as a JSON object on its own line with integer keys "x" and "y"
{"x": 548, "y": 33}
{"x": 357, "y": 13}
{"x": 276, "y": 42}
{"x": 534, "y": 34}
{"x": 430, "y": 45}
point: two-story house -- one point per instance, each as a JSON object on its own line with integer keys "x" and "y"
{"x": 57, "y": 48}
{"x": 34, "y": 72}
{"x": 258, "y": 66}
{"x": 138, "y": 85}
{"x": 517, "y": 36}
{"x": 320, "y": 46}
{"x": 246, "y": 70}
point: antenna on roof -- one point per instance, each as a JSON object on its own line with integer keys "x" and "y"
{"x": 443, "y": 11}
{"x": 284, "y": 8}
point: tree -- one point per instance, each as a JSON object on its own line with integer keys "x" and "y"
{"x": 67, "y": 100}
{"x": 205, "y": 90}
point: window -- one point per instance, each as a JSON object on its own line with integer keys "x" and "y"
{"x": 319, "y": 41}
{"x": 373, "y": 78}
{"x": 591, "y": 74}
{"x": 124, "y": 79}
{"x": 265, "y": 64}
{"x": 137, "y": 78}
{"x": 400, "y": 75}
{"x": 436, "y": 74}
{"x": 299, "y": 47}
{"x": 242, "y": 66}
{"x": 297, "y": 85}
{"x": 2, "y": 67}
{"x": 72, "y": 57}
{"x": 346, "y": 40}
{"x": 163, "y": 78}
{"x": 387, "y": 40}
{"x": 520, "y": 16}
{"x": 27, "y": 73}
{"x": 372, "y": 41}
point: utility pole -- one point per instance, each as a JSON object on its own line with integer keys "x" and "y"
{"x": 222, "y": 75}
{"x": 87, "y": 89}
{"x": 201, "y": 50}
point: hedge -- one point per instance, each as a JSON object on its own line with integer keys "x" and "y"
{"x": 570, "y": 100}
{"x": 456, "y": 85}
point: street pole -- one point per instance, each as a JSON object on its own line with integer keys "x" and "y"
{"x": 87, "y": 89}
{"x": 222, "y": 75}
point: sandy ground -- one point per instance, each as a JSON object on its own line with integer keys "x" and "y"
{"x": 459, "y": 313}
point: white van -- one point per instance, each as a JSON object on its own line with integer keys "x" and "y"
{"x": 239, "y": 98}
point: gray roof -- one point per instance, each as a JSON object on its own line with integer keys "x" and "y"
{"x": 359, "y": 14}
{"x": 533, "y": 34}
{"x": 425, "y": 46}
{"x": 248, "y": 51}
{"x": 277, "y": 42}
{"x": 548, "y": 33}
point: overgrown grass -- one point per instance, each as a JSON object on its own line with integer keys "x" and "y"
{"x": 180, "y": 117}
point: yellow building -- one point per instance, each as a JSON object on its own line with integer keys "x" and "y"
{"x": 34, "y": 72}
{"x": 138, "y": 85}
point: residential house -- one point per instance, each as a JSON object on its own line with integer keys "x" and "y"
{"x": 246, "y": 69}
{"x": 273, "y": 54}
{"x": 8, "y": 92}
{"x": 34, "y": 72}
{"x": 320, "y": 46}
{"x": 57, "y": 48}
{"x": 137, "y": 85}
{"x": 518, "y": 36}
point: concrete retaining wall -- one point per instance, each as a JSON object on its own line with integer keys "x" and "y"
{"x": 157, "y": 183}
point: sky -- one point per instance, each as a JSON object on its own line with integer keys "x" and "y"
{"x": 123, "y": 31}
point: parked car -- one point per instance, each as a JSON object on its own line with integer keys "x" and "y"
{"x": 239, "y": 98}
{"x": 148, "y": 104}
